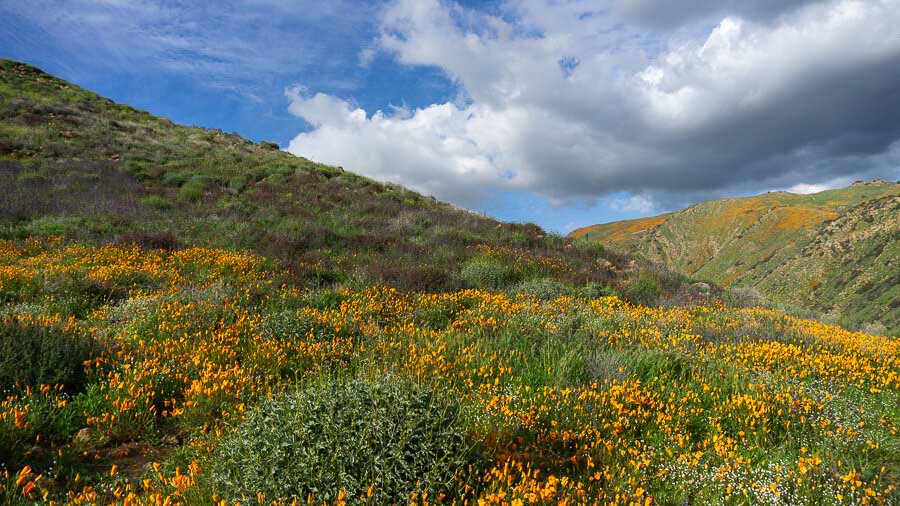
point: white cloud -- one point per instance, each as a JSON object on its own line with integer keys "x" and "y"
{"x": 639, "y": 203}
{"x": 431, "y": 150}
{"x": 802, "y": 98}
{"x": 805, "y": 188}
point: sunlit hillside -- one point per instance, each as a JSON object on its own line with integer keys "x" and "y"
{"x": 834, "y": 254}
{"x": 198, "y": 377}
{"x": 77, "y": 165}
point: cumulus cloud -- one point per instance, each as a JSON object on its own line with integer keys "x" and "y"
{"x": 805, "y": 189}
{"x": 432, "y": 149}
{"x": 561, "y": 100}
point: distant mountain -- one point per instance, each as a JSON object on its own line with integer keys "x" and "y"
{"x": 835, "y": 254}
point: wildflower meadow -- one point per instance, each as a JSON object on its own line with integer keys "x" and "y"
{"x": 201, "y": 376}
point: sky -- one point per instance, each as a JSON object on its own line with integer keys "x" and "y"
{"x": 564, "y": 113}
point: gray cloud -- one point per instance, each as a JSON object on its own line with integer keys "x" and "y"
{"x": 810, "y": 97}
{"x": 666, "y": 13}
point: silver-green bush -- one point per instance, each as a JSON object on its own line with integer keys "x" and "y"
{"x": 393, "y": 436}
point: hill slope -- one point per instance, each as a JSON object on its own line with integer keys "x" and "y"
{"x": 835, "y": 253}
{"x": 164, "y": 372}
{"x": 78, "y": 165}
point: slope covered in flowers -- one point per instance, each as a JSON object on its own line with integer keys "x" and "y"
{"x": 833, "y": 253}
{"x": 561, "y": 401}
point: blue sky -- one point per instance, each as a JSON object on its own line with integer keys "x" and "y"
{"x": 563, "y": 113}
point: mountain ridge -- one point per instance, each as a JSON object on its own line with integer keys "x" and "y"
{"x": 779, "y": 243}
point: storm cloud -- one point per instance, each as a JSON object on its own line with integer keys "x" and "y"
{"x": 573, "y": 103}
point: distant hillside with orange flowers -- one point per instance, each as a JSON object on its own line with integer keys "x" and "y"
{"x": 833, "y": 254}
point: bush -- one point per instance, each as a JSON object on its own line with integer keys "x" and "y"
{"x": 150, "y": 240}
{"x": 157, "y": 202}
{"x": 175, "y": 179}
{"x": 393, "y": 436}
{"x": 593, "y": 248}
{"x": 55, "y": 225}
{"x": 423, "y": 278}
{"x": 34, "y": 355}
{"x": 193, "y": 189}
{"x": 237, "y": 183}
{"x": 544, "y": 288}
{"x": 644, "y": 289}
{"x": 597, "y": 290}
{"x": 489, "y": 272}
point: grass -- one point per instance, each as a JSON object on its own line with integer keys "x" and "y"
{"x": 213, "y": 380}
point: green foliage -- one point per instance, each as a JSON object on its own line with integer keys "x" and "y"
{"x": 489, "y": 272}
{"x": 544, "y": 288}
{"x": 644, "y": 289}
{"x": 34, "y": 355}
{"x": 157, "y": 202}
{"x": 175, "y": 179}
{"x": 324, "y": 299}
{"x": 597, "y": 290}
{"x": 52, "y": 417}
{"x": 237, "y": 183}
{"x": 193, "y": 189}
{"x": 54, "y": 225}
{"x": 315, "y": 442}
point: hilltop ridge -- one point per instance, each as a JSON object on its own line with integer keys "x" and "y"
{"x": 81, "y": 166}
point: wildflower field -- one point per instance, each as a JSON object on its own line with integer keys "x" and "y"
{"x": 200, "y": 376}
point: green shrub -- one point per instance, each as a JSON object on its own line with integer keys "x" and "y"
{"x": 34, "y": 355}
{"x": 237, "y": 183}
{"x": 55, "y": 225}
{"x": 157, "y": 202}
{"x": 193, "y": 189}
{"x": 28, "y": 176}
{"x": 644, "y": 289}
{"x": 324, "y": 299}
{"x": 489, "y": 272}
{"x": 648, "y": 365}
{"x": 519, "y": 239}
{"x": 47, "y": 420}
{"x": 597, "y": 290}
{"x": 175, "y": 179}
{"x": 397, "y": 437}
{"x": 543, "y": 288}
{"x": 593, "y": 248}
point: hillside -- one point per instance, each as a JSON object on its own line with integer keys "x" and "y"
{"x": 77, "y": 165}
{"x": 835, "y": 253}
{"x": 201, "y": 381}
{"x": 190, "y": 318}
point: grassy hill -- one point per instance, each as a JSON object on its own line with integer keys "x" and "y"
{"x": 835, "y": 253}
{"x": 77, "y": 165}
{"x": 189, "y": 318}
